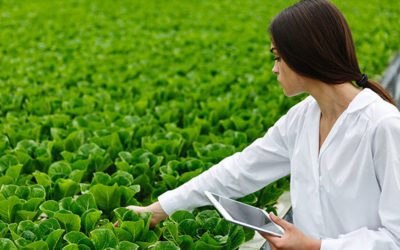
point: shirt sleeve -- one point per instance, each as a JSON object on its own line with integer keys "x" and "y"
{"x": 386, "y": 157}
{"x": 259, "y": 164}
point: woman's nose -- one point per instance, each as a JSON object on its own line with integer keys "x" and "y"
{"x": 275, "y": 69}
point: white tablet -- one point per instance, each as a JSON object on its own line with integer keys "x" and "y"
{"x": 244, "y": 215}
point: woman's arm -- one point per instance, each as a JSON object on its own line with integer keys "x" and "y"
{"x": 264, "y": 161}
{"x": 261, "y": 163}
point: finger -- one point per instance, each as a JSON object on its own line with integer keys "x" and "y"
{"x": 272, "y": 239}
{"x": 271, "y": 245}
{"x": 268, "y": 237}
{"x": 137, "y": 209}
{"x": 116, "y": 224}
{"x": 281, "y": 222}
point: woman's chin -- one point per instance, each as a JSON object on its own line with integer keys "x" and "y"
{"x": 290, "y": 93}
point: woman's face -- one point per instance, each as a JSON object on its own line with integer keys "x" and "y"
{"x": 291, "y": 82}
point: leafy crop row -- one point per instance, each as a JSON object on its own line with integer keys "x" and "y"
{"x": 105, "y": 104}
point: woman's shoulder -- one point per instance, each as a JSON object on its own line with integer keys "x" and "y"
{"x": 379, "y": 110}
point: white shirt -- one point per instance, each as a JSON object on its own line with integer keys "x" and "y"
{"x": 347, "y": 193}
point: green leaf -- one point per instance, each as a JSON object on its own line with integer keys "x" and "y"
{"x": 37, "y": 245}
{"x": 90, "y": 219}
{"x": 53, "y": 239}
{"x": 146, "y": 188}
{"x": 49, "y": 207}
{"x": 74, "y": 141}
{"x": 150, "y": 237}
{"x": 122, "y": 234}
{"x": 8, "y": 208}
{"x": 127, "y": 195}
{"x": 101, "y": 178}
{"x": 71, "y": 247}
{"x": 207, "y": 240}
{"x": 3, "y": 229}
{"x": 14, "y": 172}
{"x": 248, "y": 233}
{"x": 188, "y": 226}
{"x": 86, "y": 201}
{"x": 42, "y": 179}
{"x": 122, "y": 178}
{"x": 65, "y": 188}
{"x": 70, "y": 222}
{"x": 4, "y": 180}
{"x": 9, "y": 190}
{"x": 164, "y": 245}
{"x": 27, "y": 146}
{"x": 83, "y": 203}
{"x": 213, "y": 152}
{"x": 107, "y": 197}
{"x": 210, "y": 224}
{"x": 49, "y": 225}
{"x": 205, "y": 215}
{"x": 236, "y": 237}
{"x": 66, "y": 203}
{"x": 7, "y": 244}
{"x": 115, "y": 145}
{"x": 6, "y": 161}
{"x": 170, "y": 180}
{"x": 186, "y": 242}
{"x": 126, "y": 245}
{"x": 23, "y": 192}
{"x": 21, "y": 242}
{"x": 37, "y": 191}
{"x": 130, "y": 215}
{"x": 135, "y": 228}
{"x": 90, "y": 149}
{"x": 80, "y": 165}
{"x": 77, "y": 175}
{"x": 185, "y": 177}
{"x": 223, "y": 227}
{"x": 60, "y": 169}
{"x": 25, "y": 215}
{"x": 103, "y": 238}
{"x": 33, "y": 204}
{"x": 13, "y": 230}
{"x": 171, "y": 232}
{"x": 146, "y": 217}
{"x": 269, "y": 195}
{"x": 181, "y": 215}
{"x": 78, "y": 238}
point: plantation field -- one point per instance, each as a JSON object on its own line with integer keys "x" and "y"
{"x": 105, "y": 104}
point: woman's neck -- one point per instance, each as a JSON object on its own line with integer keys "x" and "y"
{"x": 333, "y": 99}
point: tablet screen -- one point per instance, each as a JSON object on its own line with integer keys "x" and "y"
{"x": 247, "y": 214}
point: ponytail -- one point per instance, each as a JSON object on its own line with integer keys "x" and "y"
{"x": 364, "y": 82}
{"x": 377, "y": 88}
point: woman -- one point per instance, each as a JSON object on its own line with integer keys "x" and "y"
{"x": 341, "y": 145}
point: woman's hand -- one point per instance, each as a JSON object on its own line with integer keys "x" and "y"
{"x": 293, "y": 238}
{"x": 158, "y": 214}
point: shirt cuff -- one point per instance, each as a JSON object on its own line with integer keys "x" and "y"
{"x": 329, "y": 244}
{"x": 169, "y": 202}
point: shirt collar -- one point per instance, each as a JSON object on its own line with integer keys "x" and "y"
{"x": 362, "y": 99}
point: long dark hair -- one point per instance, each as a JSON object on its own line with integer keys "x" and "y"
{"x": 314, "y": 39}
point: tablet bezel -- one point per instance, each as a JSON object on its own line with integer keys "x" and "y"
{"x": 229, "y": 218}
